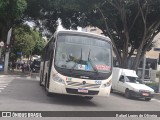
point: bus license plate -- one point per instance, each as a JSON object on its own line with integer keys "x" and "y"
{"x": 83, "y": 90}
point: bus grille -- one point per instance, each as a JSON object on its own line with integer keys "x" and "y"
{"x": 78, "y": 84}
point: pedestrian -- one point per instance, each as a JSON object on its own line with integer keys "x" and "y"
{"x": 13, "y": 65}
{"x": 23, "y": 67}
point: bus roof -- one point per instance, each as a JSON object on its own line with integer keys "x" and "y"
{"x": 83, "y": 33}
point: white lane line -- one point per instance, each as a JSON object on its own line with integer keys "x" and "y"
{"x": 153, "y": 99}
{"x": 2, "y": 76}
{"x": 29, "y": 77}
{"x": 1, "y": 88}
{"x": 4, "y": 83}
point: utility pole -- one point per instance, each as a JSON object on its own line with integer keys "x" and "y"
{"x": 7, "y": 51}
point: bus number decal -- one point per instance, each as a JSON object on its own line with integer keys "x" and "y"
{"x": 98, "y": 82}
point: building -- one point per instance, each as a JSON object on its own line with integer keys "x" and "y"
{"x": 92, "y": 30}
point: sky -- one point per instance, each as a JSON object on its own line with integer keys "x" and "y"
{"x": 60, "y": 27}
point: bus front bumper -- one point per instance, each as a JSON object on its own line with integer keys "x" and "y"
{"x": 63, "y": 89}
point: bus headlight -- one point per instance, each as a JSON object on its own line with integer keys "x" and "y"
{"x": 107, "y": 84}
{"x": 58, "y": 79}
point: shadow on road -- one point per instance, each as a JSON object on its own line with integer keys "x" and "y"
{"x": 29, "y": 90}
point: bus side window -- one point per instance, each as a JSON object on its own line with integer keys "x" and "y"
{"x": 50, "y": 50}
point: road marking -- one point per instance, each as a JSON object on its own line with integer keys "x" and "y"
{"x": 2, "y": 76}
{"x": 29, "y": 77}
{"x": 4, "y": 84}
{"x": 154, "y": 99}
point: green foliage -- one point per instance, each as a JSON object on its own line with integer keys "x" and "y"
{"x": 26, "y": 41}
{"x": 129, "y": 23}
{"x": 40, "y": 43}
{"x": 10, "y": 12}
{"x": 152, "y": 84}
{"x": 12, "y": 9}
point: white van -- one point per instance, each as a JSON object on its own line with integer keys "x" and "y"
{"x": 126, "y": 82}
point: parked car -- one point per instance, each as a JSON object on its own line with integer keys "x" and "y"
{"x": 126, "y": 82}
{"x": 35, "y": 66}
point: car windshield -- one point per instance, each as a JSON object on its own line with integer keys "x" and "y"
{"x": 132, "y": 79}
{"x": 83, "y": 53}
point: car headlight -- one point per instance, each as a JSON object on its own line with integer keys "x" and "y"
{"x": 58, "y": 79}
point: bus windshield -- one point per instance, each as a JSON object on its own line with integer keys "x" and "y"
{"x": 84, "y": 53}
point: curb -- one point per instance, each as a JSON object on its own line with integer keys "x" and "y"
{"x": 15, "y": 73}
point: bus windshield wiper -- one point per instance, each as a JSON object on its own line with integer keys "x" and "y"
{"x": 80, "y": 59}
{"x": 92, "y": 64}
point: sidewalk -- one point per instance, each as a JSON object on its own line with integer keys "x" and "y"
{"x": 157, "y": 96}
{"x": 15, "y": 72}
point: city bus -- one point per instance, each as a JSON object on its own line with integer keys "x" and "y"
{"x": 77, "y": 63}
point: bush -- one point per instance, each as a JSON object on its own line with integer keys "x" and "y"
{"x": 154, "y": 86}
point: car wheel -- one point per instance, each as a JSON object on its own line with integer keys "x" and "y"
{"x": 147, "y": 99}
{"x": 127, "y": 93}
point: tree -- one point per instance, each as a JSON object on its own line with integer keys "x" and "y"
{"x": 40, "y": 43}
{"x": 139, "y": 23}
{"x": 131, "y": 24}
{"x": 25, "y": 41}
{"x": 10, "y": 12}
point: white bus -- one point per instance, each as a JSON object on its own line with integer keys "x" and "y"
{"x": 77, "y": 63}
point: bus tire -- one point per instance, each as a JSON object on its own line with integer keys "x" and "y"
{"x": 127, "y": 93}
{"x": 88, "y": 97}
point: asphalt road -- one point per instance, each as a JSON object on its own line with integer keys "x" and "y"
{"x": 23, "y": 93}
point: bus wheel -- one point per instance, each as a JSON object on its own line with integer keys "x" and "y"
{"x": 88, "y": 97}
{"x": 127, "y": 93}
{"x": 41, "y": 79}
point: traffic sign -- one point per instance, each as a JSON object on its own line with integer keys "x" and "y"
{"x": 19, "y": 53}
